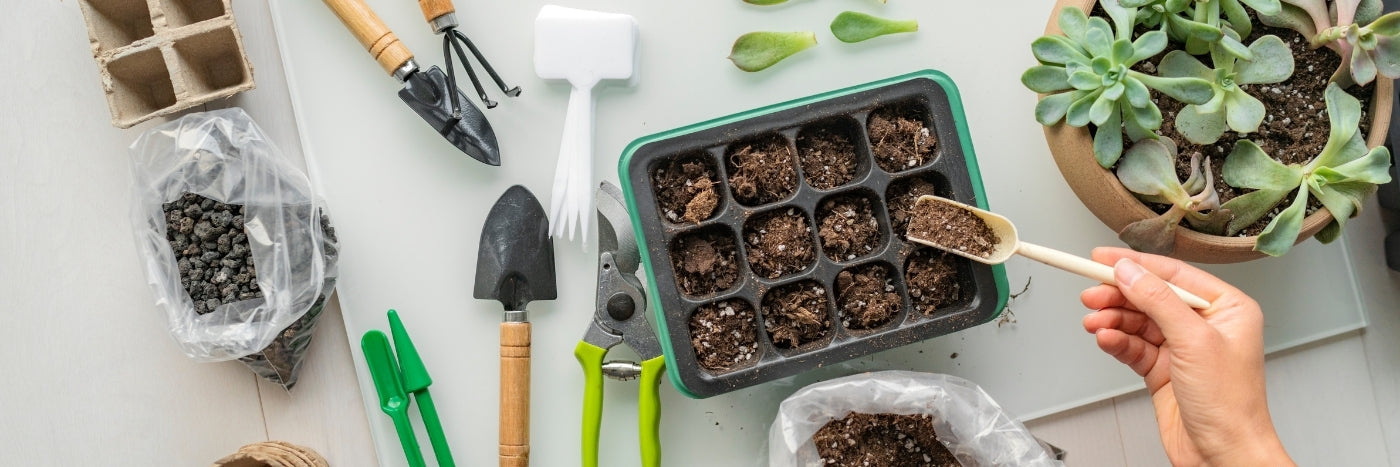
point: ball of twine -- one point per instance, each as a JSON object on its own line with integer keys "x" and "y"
{"x": 273, "y": 454}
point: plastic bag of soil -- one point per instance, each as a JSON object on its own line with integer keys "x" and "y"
{"x": 237, "y": 247}
{"x": 967, "y": 421}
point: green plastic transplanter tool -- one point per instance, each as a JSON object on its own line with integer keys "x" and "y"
{"x": 928, "y": 89}
{"x": 392, "y": 398}
{"x": 416, "y": 382}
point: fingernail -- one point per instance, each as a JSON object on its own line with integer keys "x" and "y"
{"x": 1128, "y": 272}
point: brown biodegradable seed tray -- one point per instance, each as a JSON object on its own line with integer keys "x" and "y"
{"x": 158, "y": 57}
{"x": 731, "y": 313}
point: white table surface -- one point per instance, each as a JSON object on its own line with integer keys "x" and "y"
{"x": 92, "y": 376}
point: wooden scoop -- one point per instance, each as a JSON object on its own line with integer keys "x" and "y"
{"x": 1007, "y": 244}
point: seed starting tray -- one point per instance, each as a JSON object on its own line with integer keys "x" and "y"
{"x": 953, "y": 170}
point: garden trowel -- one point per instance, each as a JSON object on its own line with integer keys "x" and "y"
{"x": 516, "y": 266}
{"x": 425, "y": 91}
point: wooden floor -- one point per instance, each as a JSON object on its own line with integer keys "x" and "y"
{"x": 90, "y": 374}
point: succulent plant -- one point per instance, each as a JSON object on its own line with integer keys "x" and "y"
{"x": 1339, "y": 178}
{"x": 1366, "y": 51}
{"x": 1230, "y": 106}
{"x": 1087, "y": 76}
{"x": 850, "y": 26}
{"x": 1148, "y": 170}
{"x": 1173, "y": 18}
{"x": 758, "y": 50}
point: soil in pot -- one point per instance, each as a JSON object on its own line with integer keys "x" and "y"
{"x": 866, "y": 297}
{"x": 933, "y": 279}
{"x": 886, "y": 440}
{"x": 686, "y": 189}
{"x": 795, "y": 314}
{"x": 705, "y": 262}
{"x": 902, "y": 196}
{"x": 724, "y": 335}
{"x": 1295, "y": 127}
{"x": 762, "y": 171}
{"x": 212, "y": 251}
{"x": 779, "y": 243}
{"x": 953, "y": 229}
{"x": 828, "y": 154}
{"x": 847, "y": 228}
{"x": 899, "y": 139}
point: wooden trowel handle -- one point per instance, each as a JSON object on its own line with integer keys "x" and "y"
{"x": 432, "y": 9}
{"x": 515, "y": 394}
{"x": 372, "y": 33}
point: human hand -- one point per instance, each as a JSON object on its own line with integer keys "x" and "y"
{"x": 1204, "y": 369}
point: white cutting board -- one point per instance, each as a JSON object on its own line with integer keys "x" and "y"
{"x": 409, "y": 210}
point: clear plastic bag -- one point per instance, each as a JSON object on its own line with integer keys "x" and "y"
{"x": 967, "y": 420}
{"x": 224, "y": 156}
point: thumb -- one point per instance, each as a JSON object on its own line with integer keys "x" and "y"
{"x": 1151, "y": 295}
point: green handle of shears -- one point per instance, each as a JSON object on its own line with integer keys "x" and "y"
{"x": 591, "y": 357}
{"x": 649, "y": 411}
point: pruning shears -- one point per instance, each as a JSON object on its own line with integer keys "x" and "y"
{"x": 619, "y": 317}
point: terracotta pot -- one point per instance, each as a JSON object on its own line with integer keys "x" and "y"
{"x": 1100, "y": 191}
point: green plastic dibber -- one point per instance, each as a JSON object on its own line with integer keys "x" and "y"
{"x": 392, "y": 398}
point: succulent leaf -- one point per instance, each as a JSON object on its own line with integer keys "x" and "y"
{"x": 851, "y": 26}
{"x": 1079, "y": 110}
{"x": 1108, "y": 140}
{"x": 1193, "y": 29}
{"x": 1148, "y": 168}
{"x": 1200, "y": 127}
{"x": 1058, "y": 50}
{"x": 1188, "y": 90}
{"x": 756, "y": 51}
{"x": 1248, "y": 208}
{"x": 1154, "y": 235}
{"x": 1291, "y": 17}
{"x": 1179, "y": 64}
{"x": 764, "y": 2}
{"x": 1243, "y": 112}
{"x": 1074, "y": 23}
{"x": 1248, "y": 166}
{"x": 1148, "y": 45}
{"x": 1387, "y": 25}
{"x": 1264, "y": 7}
{"x": 1281, "y": 233}
{"x": 1344, "y": 116}
{"x": 1124, "y": 17}
{"x": 1098, "y": 40}
{"x": 1053, "y": 107}
{"x": 1272, "y": 62}
{"x": 1046, "y": 79}
{"x": 1238, "y": 18}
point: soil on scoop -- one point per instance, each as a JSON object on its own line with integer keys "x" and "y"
{"x": 885, "y": 440}
{"x": 866, "y": 297}
{"x": 952, "y": 228}
{"x": 1294, "y": 130}
{"x": 901, "y": 197}
{"x": 685, "y": 189}
{"x": 847, "y": 228}
{"x": 762, "y": 171}
{"x": 212, "y": 251}
{"x": 795, "y": 314}
{"x": 724, "y": 335}
{"x": 704, "y": 262}
{"x": 828, "y": 155}
{"x": 779, "y": 243}
{"x": 933, "y": 280}
{"x": 899, "y": 140}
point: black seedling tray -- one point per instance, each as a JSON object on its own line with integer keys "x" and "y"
{"x": 953, "y": 171}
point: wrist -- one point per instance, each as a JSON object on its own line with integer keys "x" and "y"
{"x": 1262, "y": 448}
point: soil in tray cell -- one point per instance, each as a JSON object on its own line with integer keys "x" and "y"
{"x": 763, "y": 170}
{"x": 796, "y": 314}
{"x": 724, "y": 335}
{"x": 933, "y": 279}
{"x": 899, "y": 139}
{"x": 901, "y": 197}
{"x": 866, "y": 297}
{"x": 705, "y": 262}
{"x": 211, "y": 251}
{"x": 847, "y": 228}
{"x": 779, "y": 243}
{"x": 828, "y": 153}
{"x": 687, "y": 189}
{"x": 953, "y": 229}
{"x": 886, "y": 440}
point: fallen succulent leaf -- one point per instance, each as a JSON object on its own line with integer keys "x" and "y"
{"x": 850, "y": 26}
{"x": 758, "y": 50}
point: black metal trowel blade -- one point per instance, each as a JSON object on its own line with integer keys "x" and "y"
{"x": 516, "y": 261}
{"x": 425, "y": 91}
